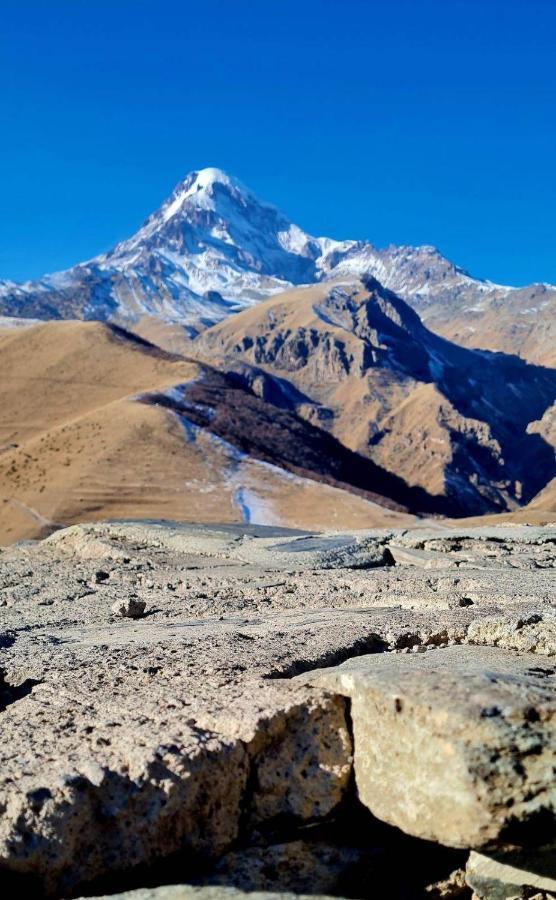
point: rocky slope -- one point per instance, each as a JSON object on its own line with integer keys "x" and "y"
{"x": 227, "y": 735}
{"x": 356, "y": 359}
{"x": 213, "y": 248}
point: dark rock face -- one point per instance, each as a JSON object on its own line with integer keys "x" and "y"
{"x": 220, "y": 404}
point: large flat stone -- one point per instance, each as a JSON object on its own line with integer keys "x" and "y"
{"x": 455, "y": 745}
{"x": 155, "y": 781}
{"x": 494, "y": 879}
{"x": 424, "y": 559}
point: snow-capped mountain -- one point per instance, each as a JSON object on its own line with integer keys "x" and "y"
{"x": 210, "y": 249}
{"x": 213, "y": 248}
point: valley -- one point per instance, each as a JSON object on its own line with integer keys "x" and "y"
{"x": 222, "y": 361}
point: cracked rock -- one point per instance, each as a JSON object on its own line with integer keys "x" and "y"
{"x": 457, "y": 745}
{"x": 535, "y": 633}
{"x": 125, "y": 743}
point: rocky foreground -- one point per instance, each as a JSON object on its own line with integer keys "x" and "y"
{"x": 191, "y": 713}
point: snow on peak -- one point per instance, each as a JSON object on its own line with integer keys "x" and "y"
{"x": 196, "y": 189}
{"x": 210, "y": 175}
{"x": 202, "y": 180}
{"x": 213, "y": 247}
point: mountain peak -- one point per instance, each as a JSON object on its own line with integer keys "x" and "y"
{"x": 198, "y": 189}
{"x": 213, "y": 247}
{"x": 210, "y": 175}
{"x": 205, "y": 179}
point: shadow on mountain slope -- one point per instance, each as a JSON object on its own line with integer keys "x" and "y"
{"x": 222, "y": 404}
{"x": 358, "y": 361}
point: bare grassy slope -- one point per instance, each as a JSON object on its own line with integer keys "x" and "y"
{"x": 56, "y": 371}
{"x": 76, "y": 445}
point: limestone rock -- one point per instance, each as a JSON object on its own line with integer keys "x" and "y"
{"x": 301, "y": 763}
{"x": 126, "y": 741}
{"x": 424, "y": 559}
{"x": 535, "y": 633}
{"x": 454, "y": 745}
{"x": 168, "y": 785}
{"x": 494, "y": 879}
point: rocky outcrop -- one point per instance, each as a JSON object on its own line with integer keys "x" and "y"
{"x": 443, "y": 740}
{"x": 178, "y": 746}
{"x": 454, "y": 422}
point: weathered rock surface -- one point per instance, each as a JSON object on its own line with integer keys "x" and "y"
{"x": 535, "y": 633}
{"x": 298, "y": 865}
{"x": 190, "y": 892}
{"x": 425, "y": 559}
{"x": 449, "y": 888}
{"x": 456, "y": 746}
{"x": 494, "y": 879}
{"x": 127, "y": 782}
{"x": 181, "y": 735}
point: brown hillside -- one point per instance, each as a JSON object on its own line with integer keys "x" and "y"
{"x": 76, "y": 445}
{"x": 355, "y": 359}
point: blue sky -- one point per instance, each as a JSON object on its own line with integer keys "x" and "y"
{"x": 398, "y": 121}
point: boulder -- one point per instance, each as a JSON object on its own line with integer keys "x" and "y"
{"x": 454, "y": 745}
{"x": 131, "y": 608}
{"x": 163, "y": 785}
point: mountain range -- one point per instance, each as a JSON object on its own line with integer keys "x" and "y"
{"x": 213, "y": 248}
{"x": 238, "y": 369}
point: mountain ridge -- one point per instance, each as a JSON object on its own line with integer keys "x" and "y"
{"x": 213, "y": 248}
{"x": 355, "y": 358}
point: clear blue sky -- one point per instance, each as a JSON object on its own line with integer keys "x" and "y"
{"x": 403, "y": 121}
